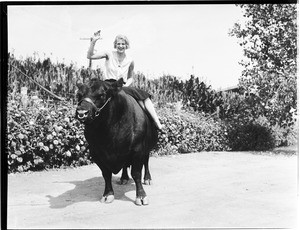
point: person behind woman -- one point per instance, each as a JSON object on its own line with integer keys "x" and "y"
{"x": 119, "y": 65}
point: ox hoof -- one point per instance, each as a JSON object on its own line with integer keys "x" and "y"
{"x": 123, "y": 181}
{"x": 107, "y": 199}
{"x": 141, "y": 201}
{"x": 147, "y": 182}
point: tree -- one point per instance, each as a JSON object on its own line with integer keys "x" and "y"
{"x": 269, "y": 41}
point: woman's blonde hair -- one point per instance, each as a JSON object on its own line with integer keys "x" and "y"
{"x": 124, "y": 38}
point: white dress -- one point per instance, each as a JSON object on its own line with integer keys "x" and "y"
{"x": 116, "y": 70}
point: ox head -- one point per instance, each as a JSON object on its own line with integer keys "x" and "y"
{"x": 94, "y": 97}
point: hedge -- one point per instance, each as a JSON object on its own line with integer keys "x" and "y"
{"x": 45, "y": 134}
{"x": 187, "y": 131}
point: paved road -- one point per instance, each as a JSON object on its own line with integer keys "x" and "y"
{"x": 216, "y": 189}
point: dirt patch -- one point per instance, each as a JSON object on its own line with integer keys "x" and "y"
{"x": 207, "y": 189}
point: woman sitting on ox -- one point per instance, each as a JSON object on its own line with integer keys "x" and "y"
{"x": 119, "y": 65}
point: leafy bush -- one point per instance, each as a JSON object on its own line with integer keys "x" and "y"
{"x": 250, "y": 137}
{"x": 43, "y": 135}
{"x": 166, "y": 89}
{"x": 244, "y": 118}
{"x": 282, "y": 136}
{"x": 187, "y": 131}
{"x": 199, "y": 96}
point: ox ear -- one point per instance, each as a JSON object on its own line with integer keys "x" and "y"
{"x": 120, "y": 82}
{"x": 116, "y": 86}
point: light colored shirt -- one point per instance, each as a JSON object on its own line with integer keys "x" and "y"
{"x": 115, "y": 69}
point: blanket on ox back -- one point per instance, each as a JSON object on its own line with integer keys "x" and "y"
{"x": 118, "y": 131}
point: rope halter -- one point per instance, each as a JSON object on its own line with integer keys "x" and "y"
{"x": 98, "y": 110}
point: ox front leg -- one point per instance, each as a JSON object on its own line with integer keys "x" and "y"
{"x": 108, "y": 195}
{"x": 141, "y": 197}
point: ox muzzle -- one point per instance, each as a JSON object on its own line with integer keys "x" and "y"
{"x": 82, "y": 114}
{"x": 88, "y": 111}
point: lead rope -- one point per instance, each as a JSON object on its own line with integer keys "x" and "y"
{"x": 57, "y": 97}
{"x": 99, "y": 110}
{"x": 48, "y": 91}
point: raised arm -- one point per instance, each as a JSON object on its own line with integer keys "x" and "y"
{"x": 91, "y": 54}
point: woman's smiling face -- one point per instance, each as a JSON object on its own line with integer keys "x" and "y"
{"x": 121, "y": 45}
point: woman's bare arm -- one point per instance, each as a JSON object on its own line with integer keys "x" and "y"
{"x": 98, "y": 55}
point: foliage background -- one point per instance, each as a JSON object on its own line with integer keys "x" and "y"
{"x": 42, "y": 132}
{"x": 269, "y": 41}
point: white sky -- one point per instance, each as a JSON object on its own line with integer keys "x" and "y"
{"x": 165, "y": 39}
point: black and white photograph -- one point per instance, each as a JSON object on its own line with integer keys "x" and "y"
{"x": 140, "y": 115}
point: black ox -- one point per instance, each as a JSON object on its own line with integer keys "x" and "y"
{"x": 119, "y": 133}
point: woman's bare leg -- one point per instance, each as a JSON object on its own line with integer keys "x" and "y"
{"x": 142, "y": 104}
{"x": 150, "y": 108}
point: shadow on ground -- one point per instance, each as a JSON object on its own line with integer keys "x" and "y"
{"x": 90, "y": 190}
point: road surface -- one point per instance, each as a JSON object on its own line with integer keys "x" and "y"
{"x": 206, "y": 189}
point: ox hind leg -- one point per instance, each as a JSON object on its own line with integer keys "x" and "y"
{"x": 124, "y": 178}
{"x": 147, "y": 176}
{"x": 136, "y": 173}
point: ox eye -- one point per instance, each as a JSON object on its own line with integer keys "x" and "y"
{"x": 100, "y": 96}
